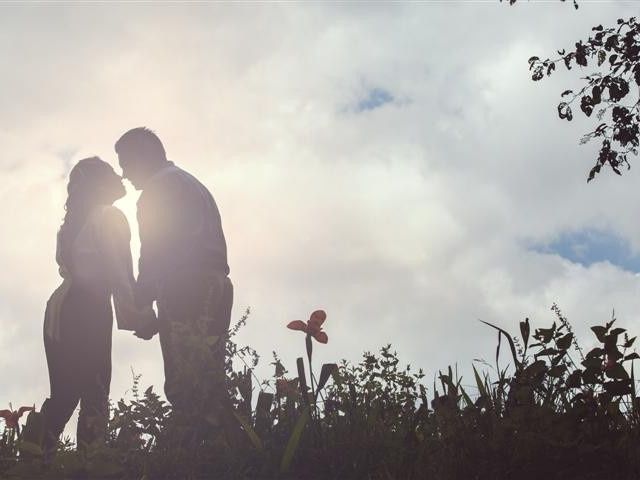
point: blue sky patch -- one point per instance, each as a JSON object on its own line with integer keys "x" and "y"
{"x": 590, "y": 246}
{"x": 376, "y": 97}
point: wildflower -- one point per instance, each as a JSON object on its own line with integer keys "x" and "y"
{"x": 11, "y": 417}
{"x": 312, "y": 327}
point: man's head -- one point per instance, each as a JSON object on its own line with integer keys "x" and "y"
{"x": 140, "y": 154}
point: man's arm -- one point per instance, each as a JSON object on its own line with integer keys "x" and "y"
{"x": 115, "y": 237}
{"x": 167, "y": 216}
{"x": 146, "y": 290}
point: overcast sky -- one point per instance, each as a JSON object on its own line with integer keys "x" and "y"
{"x": 391, "y": 164}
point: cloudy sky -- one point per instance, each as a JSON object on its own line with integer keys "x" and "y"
{"x": 391, "y": 163}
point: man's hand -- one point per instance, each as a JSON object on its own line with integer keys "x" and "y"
{"x": 150, "y": 326}
{"x": 147, "y": 332}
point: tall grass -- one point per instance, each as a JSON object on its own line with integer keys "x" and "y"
{"x": 556, "y": 412}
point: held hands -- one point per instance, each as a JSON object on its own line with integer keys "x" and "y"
{"x": 148, "y": 324}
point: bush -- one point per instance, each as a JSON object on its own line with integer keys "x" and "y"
{"x": 555, "y": 413}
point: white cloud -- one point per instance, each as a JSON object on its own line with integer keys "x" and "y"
{"x": 406, "y": 223}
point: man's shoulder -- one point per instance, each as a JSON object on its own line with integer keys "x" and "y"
{"x": 178, "y": 179}
{"x": 172, "y": 175}
{"x": 173, "y": 181}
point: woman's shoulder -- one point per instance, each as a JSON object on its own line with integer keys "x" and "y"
{"x": 112, "y": 219}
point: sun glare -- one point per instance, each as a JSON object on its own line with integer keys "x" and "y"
{"x": 128, "y": 206}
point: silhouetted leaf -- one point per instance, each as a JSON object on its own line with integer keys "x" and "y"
{"x": 509, "y": 339}
{"x": 618, "y": 387}
{"x": 600, "y": 332}
{"x": 557, "y": 371}
{"x": 573, "y": 380}
{"x": 480, "y": 384}
{"x": 616, "y": 372}
{"x": 564, "y": 342}
{"x": 596, "y": 352}
{"x": 547, "y": 351}
{"x": 327, "y": 370}
{"x": 525, "y": 330}
{"x": 246, "y": 426}
{"x": 302, "y": 379}
{"x": 294, "y": 440}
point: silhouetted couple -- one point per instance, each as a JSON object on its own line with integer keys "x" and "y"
{"x": 182, "y": 267}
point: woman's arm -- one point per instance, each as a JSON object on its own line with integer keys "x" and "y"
{"x": 115, "y": 237}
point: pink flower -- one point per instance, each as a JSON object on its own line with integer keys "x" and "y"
{"x": 313, "y": 326}
{"x": 11, "y": 417}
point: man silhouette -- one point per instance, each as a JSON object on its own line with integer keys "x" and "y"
{"x": 183, "y": 256}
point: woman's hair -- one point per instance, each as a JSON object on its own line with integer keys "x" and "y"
{"x": 90, "y": 182}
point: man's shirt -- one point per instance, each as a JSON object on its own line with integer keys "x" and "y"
{"x": 181, "y": 233}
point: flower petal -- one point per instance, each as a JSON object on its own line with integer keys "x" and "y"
{"x": 313, "y": 329}
{"x": 317, "y": 318}
{"x": 298, "y": 325}
{"x": 24, "y": 409}
{"x": 321, "y": 337}
{"x": 10, "y": 418}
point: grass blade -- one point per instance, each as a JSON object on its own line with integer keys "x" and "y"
{"x": 294, "y": 440}
{"x": 511, "y": 344}
{"x": 253, "y": 436}
{"x": 481, "y": 388}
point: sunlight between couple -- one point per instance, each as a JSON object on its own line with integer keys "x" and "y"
{"x": 182, "y": 267}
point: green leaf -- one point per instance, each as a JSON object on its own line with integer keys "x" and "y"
{"x": 535, "y": 371}
{"x": 593, "y": 362}
{"x": 618, "y": 387}
{"x": 573, "y": 380}
{"x": 302, "y": 379}
{"x": 633, "y": 389}
{"x": 564, "y": 342}
{"x": 544, "y": 335}
{"x": 253, "y": 436}
{"x": 595, "y": 353}
{"x": 617, "y": 372}
{"x": 557, "y": 371}
{"x": 591, "y": 375}
{"x": 327, "y": 370}
{"x": 466, "y": 398}
{"x": 547, "y": 351}
{"x": 263, "y": 411}
{"x": 30, "y": 448}
{"x": 525, "y": 330}
{"x": 480, "y": 384}
{"x": 602, "y": 56}
{"x": 509, "y": 339}
{"x": 294, "y": 440}
{"x": 600, "y": 332}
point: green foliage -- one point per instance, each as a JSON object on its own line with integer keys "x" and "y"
{"x": 612, "y": 55}
{"x": 553, "y": 412}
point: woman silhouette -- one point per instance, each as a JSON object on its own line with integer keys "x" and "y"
{"x": 94, "y": 260}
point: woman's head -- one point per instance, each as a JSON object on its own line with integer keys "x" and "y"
{"x": 92, "y": 182}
